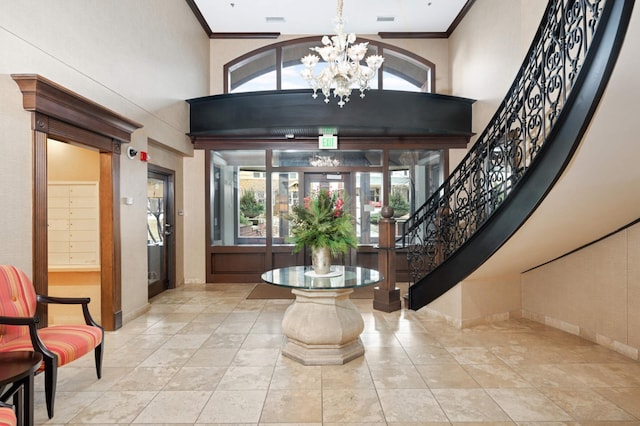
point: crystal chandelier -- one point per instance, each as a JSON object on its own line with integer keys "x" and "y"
{"x": 343, "y": 70}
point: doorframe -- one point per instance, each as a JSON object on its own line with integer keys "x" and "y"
{"x": 170, "y": 216}
{"x": 61, "y": 114}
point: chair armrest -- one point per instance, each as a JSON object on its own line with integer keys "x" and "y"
{"x": 19, "y": 320}
{"x": 31, "y": 322}
{"x": 84, "y": 301}
{"x": 63, "y": 300}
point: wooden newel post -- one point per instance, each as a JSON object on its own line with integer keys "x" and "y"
{"x": 386, "y": 297}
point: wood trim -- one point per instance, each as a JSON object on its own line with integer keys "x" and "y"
{"x": 63, "y": 115}
{"x": 109, "y": 241}
{"x": 460, "y": 17}
{"x": 40, "y": 227}
{"x": 198, "y": 14}
{"x": 53, "y": 100}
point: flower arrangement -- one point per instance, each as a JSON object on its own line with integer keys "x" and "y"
{"x": 322, "y": 222}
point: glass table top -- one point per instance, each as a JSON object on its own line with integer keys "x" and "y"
{"x": 340, "y": 277}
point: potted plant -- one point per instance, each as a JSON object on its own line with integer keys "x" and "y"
{"x": 324, "y": 225}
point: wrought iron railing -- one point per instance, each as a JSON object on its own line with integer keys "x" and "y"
{"x": 508, "y": 146}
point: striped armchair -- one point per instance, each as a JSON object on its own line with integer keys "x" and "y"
{"x": 7, "y": 415}
{"x": 58, "y": 344}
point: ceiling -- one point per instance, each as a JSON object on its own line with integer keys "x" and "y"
{"x": 318, "y": 18}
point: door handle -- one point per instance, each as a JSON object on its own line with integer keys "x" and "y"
{"x": 167, "y": 229}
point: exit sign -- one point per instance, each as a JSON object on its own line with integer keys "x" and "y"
{"x": 328, "y": 142}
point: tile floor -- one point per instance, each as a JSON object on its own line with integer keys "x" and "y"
{"x": 207, "y": 355}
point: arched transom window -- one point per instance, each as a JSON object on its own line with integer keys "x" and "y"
{"x": 278, "y": 67}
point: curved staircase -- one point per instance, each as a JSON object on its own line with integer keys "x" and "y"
{"x": 524, "y": 149}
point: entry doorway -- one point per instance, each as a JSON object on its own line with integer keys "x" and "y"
{"x": 73, "y": 223}
{"x": 332, "y": 182}
{"x": 160, "y": 230}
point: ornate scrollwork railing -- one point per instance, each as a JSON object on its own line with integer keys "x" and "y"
{"x": 508, "y": 146}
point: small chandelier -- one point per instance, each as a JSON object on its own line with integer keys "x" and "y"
{"x": 343, "y": 70}
{"x": 324, "y": 161}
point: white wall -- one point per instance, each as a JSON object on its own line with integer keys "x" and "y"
{"x": 594, "y": 293}
{"x": 141, "y": 59}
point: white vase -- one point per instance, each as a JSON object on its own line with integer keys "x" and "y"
{"x": 321, "y": 260}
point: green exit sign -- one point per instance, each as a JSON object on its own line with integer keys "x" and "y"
{"x": 328, "y": 142}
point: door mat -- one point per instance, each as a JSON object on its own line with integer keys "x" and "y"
{"x": 268, "y": 291}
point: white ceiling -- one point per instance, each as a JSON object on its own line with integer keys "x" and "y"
{"x": 318, "y": 17}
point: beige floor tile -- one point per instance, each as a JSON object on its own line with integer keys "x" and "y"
{"x": 233, "y": 407}
{"x": 387, "y": 356}
{"x": 115, "y": 407}
{"x": 195, "y": 378}
{"x": 352, "y": 405}
{"x": 292, "y": 406}
{"x": 473, "y": 355}
{"x": 396, "y": 377}
{"x": 410, "y": 405}
{"x": 168, "y": 357}
{"x": 291, "y": 375}
{"x": 429, "y": 354}
{"x": 224, "y": 341}
{"x": 496, "y": 376}
{"x": 528, "y": 405}
{"x": 256, "y": 357}
{"x": 246, "y": 378}
{"x": 626, "y": 398}
{"x": 67, "y": 405}
{"x": 584, "y": 404}
{"x": 448, "y": 376}
{"x": 146, "y": 378}
{"x": 469, "y": 405}
{"x": 263, "y": 341}
{"x": 174, "y": 407}
{"x": 354, "y": 375}
{"x": 212, "y": 357}
{"x": 185, "y": 341}
{"x": 548, "y": 376}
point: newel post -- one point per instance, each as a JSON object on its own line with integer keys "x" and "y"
{"x": 386, "y": 297}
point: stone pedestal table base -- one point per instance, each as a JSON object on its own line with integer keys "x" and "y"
{"x": 322, "y": 327}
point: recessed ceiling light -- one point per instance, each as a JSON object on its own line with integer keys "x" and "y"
{"x": 386, "y": 18}
{"x": 274, "y": 19}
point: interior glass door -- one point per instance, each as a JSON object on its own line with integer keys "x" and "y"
{"x": 332, "y": 182}
{"x": 159, "y": 232}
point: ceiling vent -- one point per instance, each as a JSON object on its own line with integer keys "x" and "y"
{"x": 274, "y": 19}
{"x": 386, "y": 19}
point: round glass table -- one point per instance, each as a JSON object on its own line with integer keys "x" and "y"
{"x": 322, "y": 325}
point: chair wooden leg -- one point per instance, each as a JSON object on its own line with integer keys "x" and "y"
{"x": 98, "y": 352}
{"x": 50, "y": 380}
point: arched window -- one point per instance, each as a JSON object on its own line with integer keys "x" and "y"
{"x": 278, "y": 67}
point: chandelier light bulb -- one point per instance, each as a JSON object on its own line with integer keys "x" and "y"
{"x": 343, "y": 70}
